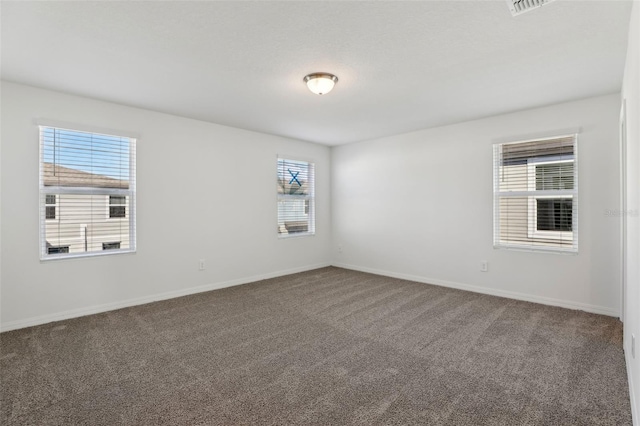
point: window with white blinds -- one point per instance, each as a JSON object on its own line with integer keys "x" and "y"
{"x": 87, "y": 193}
{"x": 296, "y": 202}
{"x": 536, "y": 194}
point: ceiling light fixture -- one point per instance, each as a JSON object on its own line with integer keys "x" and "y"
{"x": 320, "y": 82}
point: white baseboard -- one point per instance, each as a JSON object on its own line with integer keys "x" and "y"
{"x": 74, "y": 313}
{"x": 490, "y": 291}
{"x": 632, "y": 393}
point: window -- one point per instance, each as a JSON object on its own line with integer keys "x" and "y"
{"x": 82, "y": 175}
{"x": 296, "y": 209}
{"x": 57, "y": 249}
{"x": 111, "y": 246}
{"x": 551, "y": 213}
{"x": 536, "y": 194}
{"x": 50, "y": 207}
{"x": 554, "y": 214}
{"x": 117, "y": 206}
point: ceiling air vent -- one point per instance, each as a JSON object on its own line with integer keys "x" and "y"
{"x": 521, "y": 6}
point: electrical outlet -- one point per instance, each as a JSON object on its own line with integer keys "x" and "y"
{"x": 201, "y": 265}
{"x": 484, "y": 266}
{"x": 633, "y": 346}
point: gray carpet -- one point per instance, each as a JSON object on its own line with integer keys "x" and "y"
{"x": 323, "y": 347}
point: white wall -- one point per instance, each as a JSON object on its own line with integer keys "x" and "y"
{"x": 204, "y": 192}
{"x": 420, "y": 206}
{"x": 631, "y": 95}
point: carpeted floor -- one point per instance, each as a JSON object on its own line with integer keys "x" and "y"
{"x": 323, "y": 347}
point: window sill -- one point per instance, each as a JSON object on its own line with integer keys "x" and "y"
{"x": 296, "y": 235}
{"x": 547, "y": 250}
{"x": 67, "y": 256}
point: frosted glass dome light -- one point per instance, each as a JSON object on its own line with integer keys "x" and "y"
{"x": 320, "y": 83}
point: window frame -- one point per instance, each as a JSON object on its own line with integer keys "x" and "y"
{"x": 309, "y": 199}
{"x": 532, "y": 202}
{"x": 532, "y": 194}
{"x": 129, "y": 193}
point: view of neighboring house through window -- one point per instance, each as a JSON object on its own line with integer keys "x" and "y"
{"x": 536, "y": 194}
{"x": 296, "y": 209}
{"x": 87, "y": 184}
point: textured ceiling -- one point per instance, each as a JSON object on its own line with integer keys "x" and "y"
{"x": 402, "y": 66}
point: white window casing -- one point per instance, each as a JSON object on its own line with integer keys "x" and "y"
{"x": 85, "y": 171}
{"x": 295, "y": 197}
{"x": 536, "y": 194}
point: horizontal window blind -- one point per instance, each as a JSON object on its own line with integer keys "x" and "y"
{"x": 87, "y": 193}
{"x": 296, "y": 198}
{"x": 536, "y": 194}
